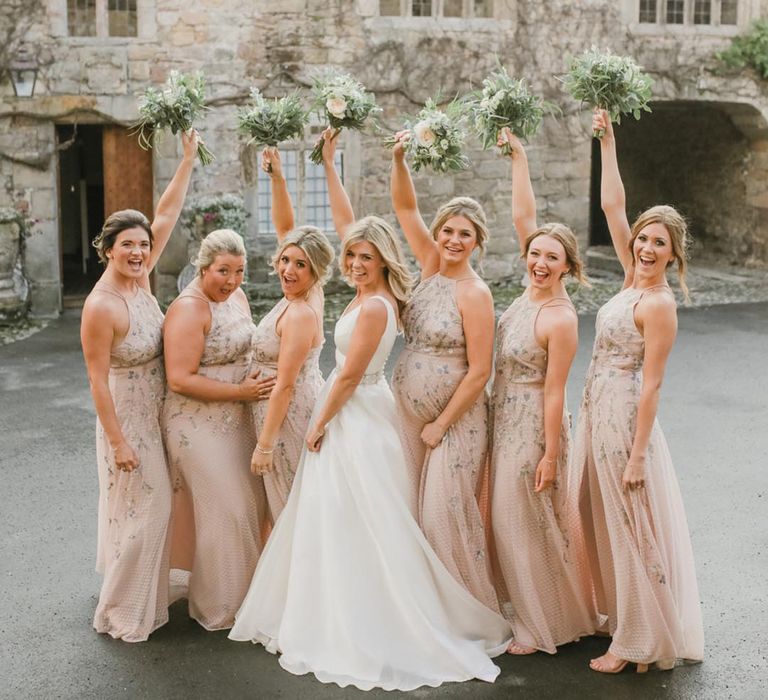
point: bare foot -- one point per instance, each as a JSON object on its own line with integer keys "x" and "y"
{"x": 610, "y": 663}
{"x": 520, "y": 649}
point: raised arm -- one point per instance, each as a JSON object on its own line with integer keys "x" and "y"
{"x": 407, "y": 211}
{"x": 341, "y": 208}
{"x": 656, "y": 316}
{"x": 184, "y": 330}
{"x": 282, "y": 206}
{"x": 476, "y": 308}
{"x": 97, "y": 333}
{"x": 172, "y": 200}
{"x": 369, "y": 327}
{"x": 297, "y": 330}
{"x": 523, "y": 199}
{"x": 558, "y": 328}
{"x": 613, "y": 200}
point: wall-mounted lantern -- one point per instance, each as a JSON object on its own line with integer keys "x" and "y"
{"x": 23, "y": 70}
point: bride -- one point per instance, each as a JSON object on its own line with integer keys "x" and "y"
{"x": 347, "y": 587}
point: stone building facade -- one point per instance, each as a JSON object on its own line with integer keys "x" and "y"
{"x": 704, "y": 148}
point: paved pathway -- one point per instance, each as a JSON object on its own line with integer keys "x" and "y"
{"x": 714, "y": 411}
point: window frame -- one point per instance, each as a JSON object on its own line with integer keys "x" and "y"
{"x": 467, "y": 12}
{"x": 146, "y": 23}
{"x": 746, "y": 11}
{"x": 299, "y": 190}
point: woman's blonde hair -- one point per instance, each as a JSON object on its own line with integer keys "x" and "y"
{"x": 314, "y": 244}
{"x": 563, "y": 235}
{"x": 677, "y": 228}
{"x": 469, "y": 209}
{"x": 381, "y": 236}
{"x": 219, "y": 242}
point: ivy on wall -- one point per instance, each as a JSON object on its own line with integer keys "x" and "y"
{"x": 749, "y": 50}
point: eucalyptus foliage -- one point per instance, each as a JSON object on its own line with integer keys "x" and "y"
{"x": 343, "y": 102}
{"x": 269, "y": 122}
{"x": 175, "y": 107}
{"x": 606, "y": 81}
{"x": 505, "y": 102}
{"x": 436, "y": 137}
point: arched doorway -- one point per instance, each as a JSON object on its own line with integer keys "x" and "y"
{"x": 701, "y": 158}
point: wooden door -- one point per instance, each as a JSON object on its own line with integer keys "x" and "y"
{"x": 127, "y": 173}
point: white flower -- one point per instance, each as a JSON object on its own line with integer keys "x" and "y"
{"x": 337, "y": 106}
{"x": 444, "y": 144}
{"x": 424, "y": 135}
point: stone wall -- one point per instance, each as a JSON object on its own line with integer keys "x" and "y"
{"x": 276, "y": 45}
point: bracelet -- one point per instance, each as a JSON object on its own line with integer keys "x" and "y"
{"x": 262, "y": 451}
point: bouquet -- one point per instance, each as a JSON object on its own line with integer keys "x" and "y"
{"x": 175, "y": 107}
{"x": 606, "y": 81}
{"x": 504, "y": 101}
{"x": 437, "y": 137}
{"x": 344, "y": 102}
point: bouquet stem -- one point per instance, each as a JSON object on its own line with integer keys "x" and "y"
{"x": 205, "y": 156}
{"x": 317, "y": 152}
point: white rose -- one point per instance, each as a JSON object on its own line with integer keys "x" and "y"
{"x": 424, "y": 135}
{"x": 337, "y": 106}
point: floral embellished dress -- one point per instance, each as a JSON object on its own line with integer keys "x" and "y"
{"x": 637, "y": 540}
{"x": 445, "y": 481}
{"x": 543, "y": 580}
{"x": 209, "y": 447}
{"x": 134, "y": 507}
{"x": 290, "y": 440}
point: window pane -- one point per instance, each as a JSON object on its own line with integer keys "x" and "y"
{"x": 81, "y": 17}
{"x": 729, "y": 11}
{"x": 452, "y": 8}
{"x": 421, "y": 8}
{"x": 647, "y": 11}
{"x": 389, "y": 8}
{"x": 123, "y": 20}
{"x": 317, "y": 210}
{"x": 483, "y": 8}
{"x": 675, "y": 11}
{"x": 264, "y": 195}
{"x": 702, "y": 12}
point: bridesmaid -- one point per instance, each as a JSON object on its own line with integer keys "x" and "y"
{"x": 220, "y": 509}
{"x": 121, "y": 334}
{"x": 440, "y": 377}
{"x": 287, "y": 343}
{"x": 634, "y": 521}
{"x": 539, "y": 546}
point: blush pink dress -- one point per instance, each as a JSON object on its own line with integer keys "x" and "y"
{"x": 543, "y": 582}
{"x": 637, "y": 540}
{"x": 209, "y": 447}
{"x": 290, "y": 441}
{"x": 445, "y": 481}
{"x": 134, "y": 507}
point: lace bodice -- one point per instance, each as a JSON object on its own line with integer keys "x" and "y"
{"x": 519, "y": 357}
{"x": 618, "y": 343}
{"x": 229, "y": 338}
{"x": 342, "y": 336}
{"x": 266, "y": 342}
{"x": 144, "y": 340}
{"x": 431, "y": 318}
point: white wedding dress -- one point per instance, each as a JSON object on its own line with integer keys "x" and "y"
{"x": 347, "y": 587}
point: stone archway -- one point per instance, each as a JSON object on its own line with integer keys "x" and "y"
{"x": 708, "y": 159}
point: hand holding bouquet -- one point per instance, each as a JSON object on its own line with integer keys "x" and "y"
{"x": 606, "y": 81}
{"x": 505, "y": 102}
{"x": 176, "y": 107}
{"x": 344, "y": 102}
{"x": 436, "y": 138}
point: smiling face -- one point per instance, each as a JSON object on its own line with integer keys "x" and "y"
{"x": 652, "y": 250}
{"x": 363, "y": 264}
{"x": 295, "y": 272}
{"x": 129, "y": 254}
{"x": 456, "y": 239}
{"x": 546, "y": 261}
{"x": 223, "y": 276}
